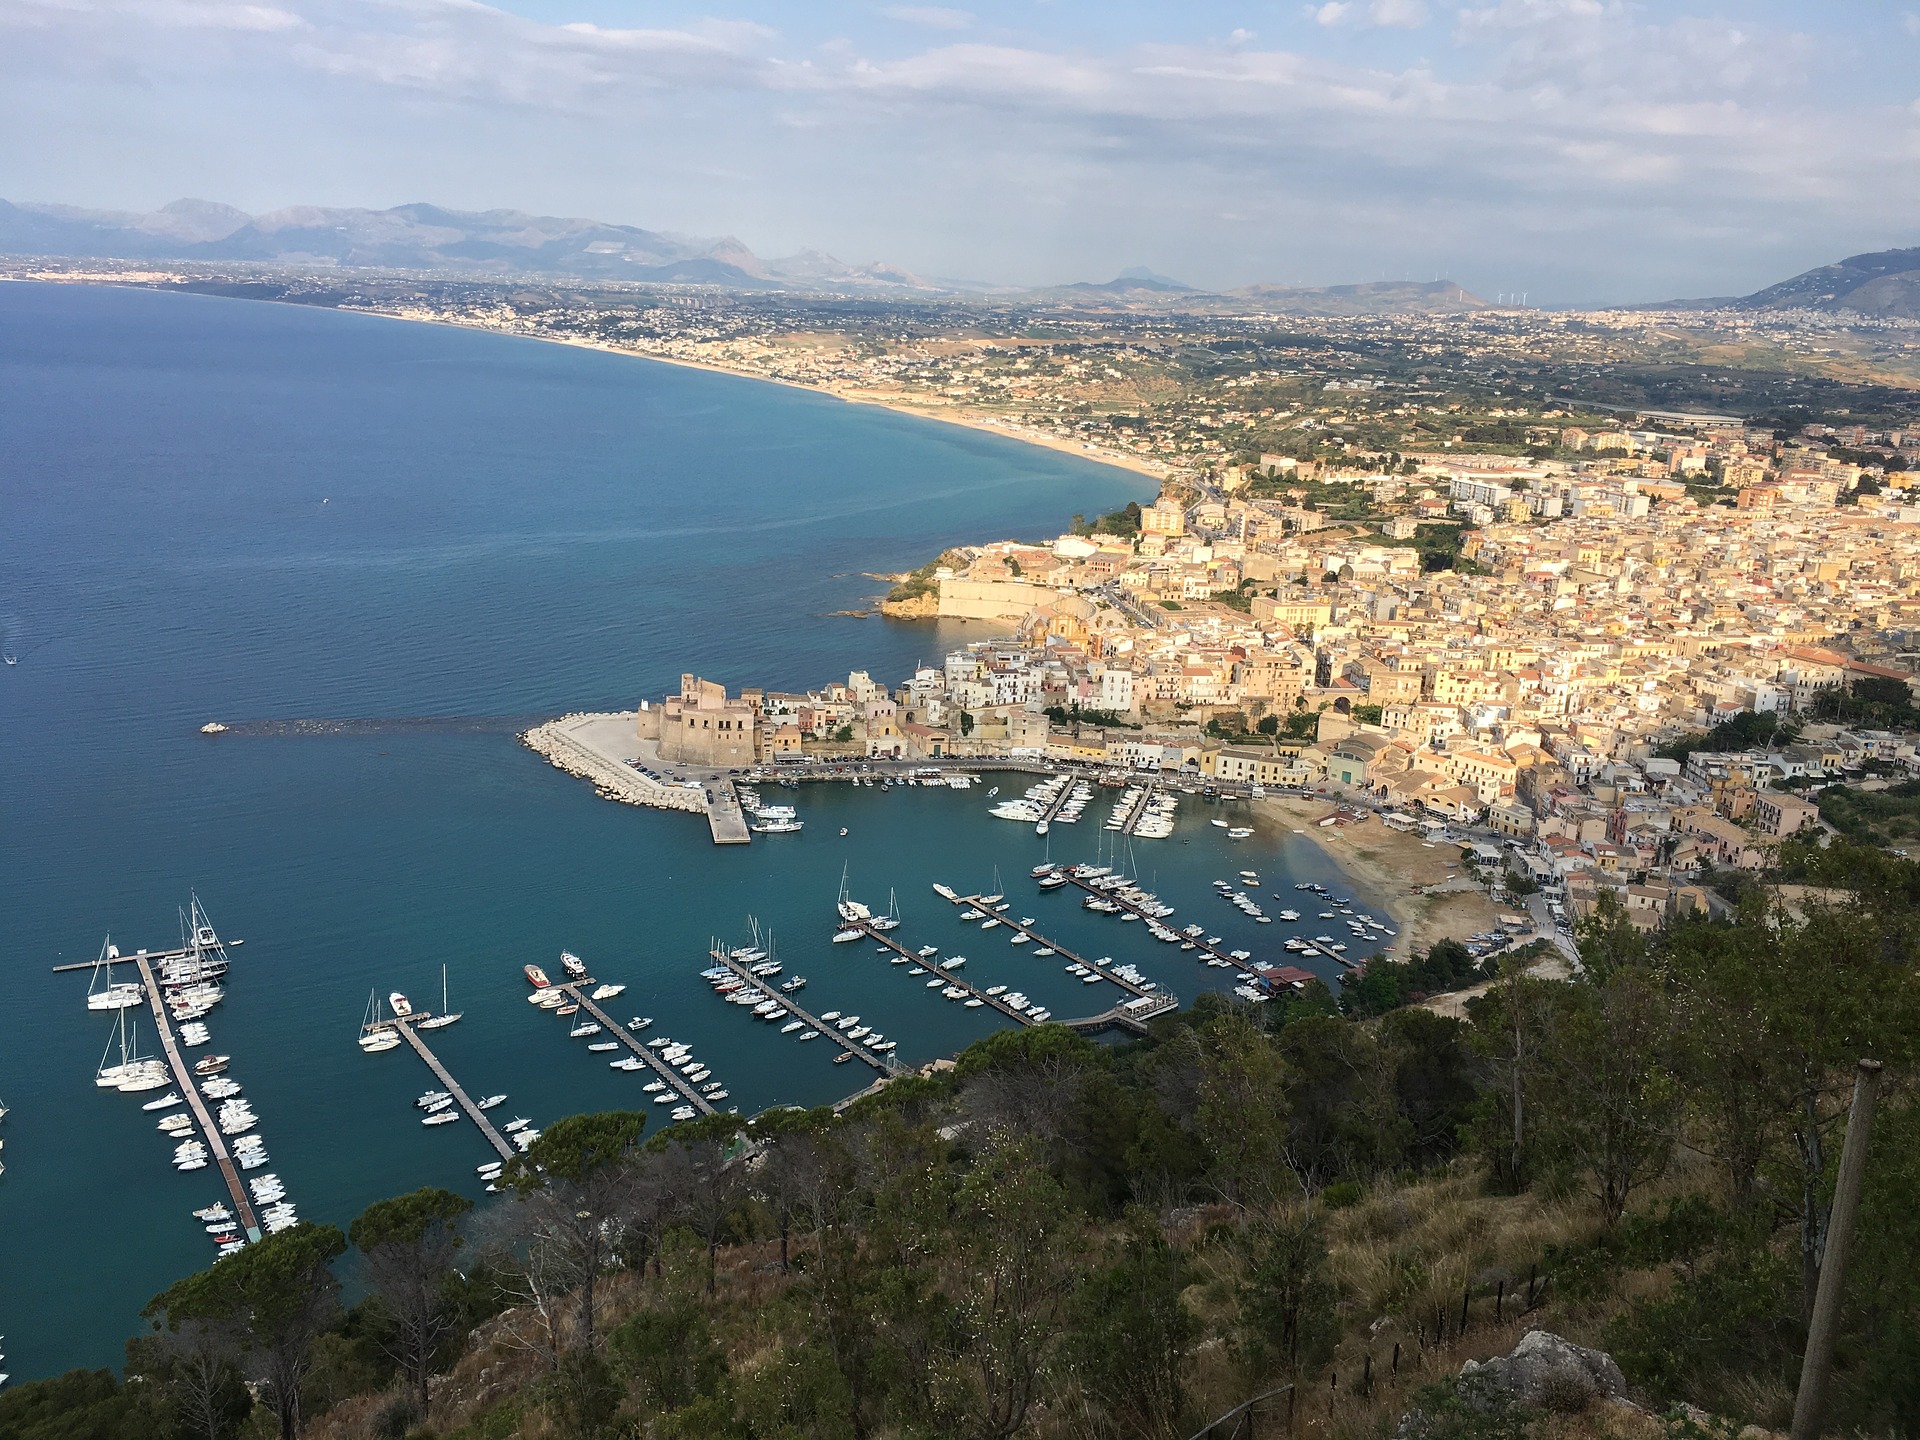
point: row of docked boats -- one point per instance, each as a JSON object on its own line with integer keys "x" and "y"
{"x": 1145, "y": 811}
{"x": 679, "y": 1056}
{"x": 768, "y": 818}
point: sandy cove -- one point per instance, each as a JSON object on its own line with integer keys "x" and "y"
{"x": 1397, "y": 867}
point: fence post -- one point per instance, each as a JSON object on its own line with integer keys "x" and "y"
{"x": 1366, "y": 1377}
{"x": 1815, "y": 1363}
{"x": 1396, "y": 1357}
{"x": 1500, "y": 1303}
{"x": 1466, "y": 1294}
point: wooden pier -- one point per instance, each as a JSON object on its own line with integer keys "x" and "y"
{"x": 1041, "y": 942}
{"x": 185, "y": 1079}
{"x": 460, "y": 1097}
{"x": 885, "y": 1064}
{"x": 677, "y": 1082}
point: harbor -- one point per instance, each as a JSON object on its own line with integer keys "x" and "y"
{"x": 916, "y": 834}
{"x": 1088, "y": 971}
{"x": 883, "y": 1064}
{"x": 452, "y": 1087}
{"x": 647, "y": 1054}
{"x": 179, "y": 988}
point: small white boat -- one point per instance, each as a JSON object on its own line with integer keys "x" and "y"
{"x": 442, "y": 1117}
{"x": 607, "y": 992}
{"x": 171, "y": 1098}
{"x": 491, "y": 1101}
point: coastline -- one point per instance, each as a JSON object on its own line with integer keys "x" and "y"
{"x": 1405, "y": 872}
{"x": 1120, "y": 460}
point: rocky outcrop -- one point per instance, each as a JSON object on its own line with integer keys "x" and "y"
{"x": 917, "y": 607}
{"x": 1545, "y": 1372}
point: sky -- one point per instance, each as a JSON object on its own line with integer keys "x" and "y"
{"x": 1580, "y": 151}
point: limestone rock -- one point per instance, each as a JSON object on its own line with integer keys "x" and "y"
{"x": 1545, "y": 1372}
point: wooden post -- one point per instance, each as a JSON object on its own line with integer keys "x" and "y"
{"x": 1817, "y": 1361}
{"x": 1466, "y": 1294}
{"x": 1366, "y": 1376}
{"x": 1396, "y": 1357}
{"x": 1500, "y": 1303}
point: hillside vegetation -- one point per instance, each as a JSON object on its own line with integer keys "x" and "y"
{"x": 1054, "y": 1238}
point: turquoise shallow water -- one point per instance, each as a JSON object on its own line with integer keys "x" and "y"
{"x": 218, "y": 508}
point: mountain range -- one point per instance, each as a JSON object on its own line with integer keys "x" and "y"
{"x": 510, "y": 243}
{"x": 1882, "y": 282}
{"x": 428, "y": 238}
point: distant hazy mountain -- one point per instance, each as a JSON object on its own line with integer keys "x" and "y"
{"x": 1886, "y": 282}
{"x": 425, "y": 237}
{"x": 1376, "y": 297}
{"x": 1137, "y": 289}
{"x": 509, "y": 243}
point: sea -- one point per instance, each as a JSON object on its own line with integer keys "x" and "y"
{"x": 380, "y": 549}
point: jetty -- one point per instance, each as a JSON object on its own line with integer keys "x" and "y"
{"x": 452, "y": 1086}
{"x": 932, "y": 966}
{"x": 676, "y": 1082}
{"x": 604, "y": 749}
{"x": 885, "y": 1064}
{"x": 1138, "y": 810}
{"x": 1200, "y": 943}
{"x": 726, "y": 821}
{"x": 184, "y": 1077}
{"x": 1041, "y": 942}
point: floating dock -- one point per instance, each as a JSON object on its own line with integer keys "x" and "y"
{"x": 932, "y": 965}
{"x": 679, "y": 1083}
{"x": 185, "y": 1079}
{"x": 1199, "y": 942}
{"x": 1040, "y": 941}
{"x": 1141, "y": 803}
{"x": 885, "y": 1064}
{"x": 460, "y": 1097}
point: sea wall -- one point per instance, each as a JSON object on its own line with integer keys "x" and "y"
{"x": 565, "y": 750}
{"x": 989, "y": 599}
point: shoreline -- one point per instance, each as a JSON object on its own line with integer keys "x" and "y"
{"x": 1406, "y": 873}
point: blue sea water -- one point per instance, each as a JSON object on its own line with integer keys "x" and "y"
{"x": 219, "y": 508}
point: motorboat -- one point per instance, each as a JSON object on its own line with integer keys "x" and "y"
{"x": 171, "y": 1098}
{"x": 441, "y": 1117}
{"x": 607, "y": 992}
{"x": 581, "y": 1031}
{"x": 432, "y": 1098}
{"x": 491, "y": 1101}
{"x": 573, "y": 965}
{"x": 401, "y": 1006}
{"x": 536, "y": 977}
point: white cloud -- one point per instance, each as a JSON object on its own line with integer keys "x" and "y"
{"x": 1398, "y": 14}
{"x": 933, "y": 17}
{"x": 1621, "y": 138}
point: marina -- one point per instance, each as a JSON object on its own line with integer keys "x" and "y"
{"x": 677, "y": 1082}
{"x": 1082, "y": 877}
{"x": 452, "y": 1087}
{"x": 186, "y": 1082}
{"x": 885, "y": 1065}
{"x": 1045, "y": 948}
{"x": 1129, "y": 1014}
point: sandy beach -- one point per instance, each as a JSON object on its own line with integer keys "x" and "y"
{"x": 880, "y": 399}
{"x": 1402, "y": 869}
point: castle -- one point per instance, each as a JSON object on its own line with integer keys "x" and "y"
{"x": 700, "y": 726}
